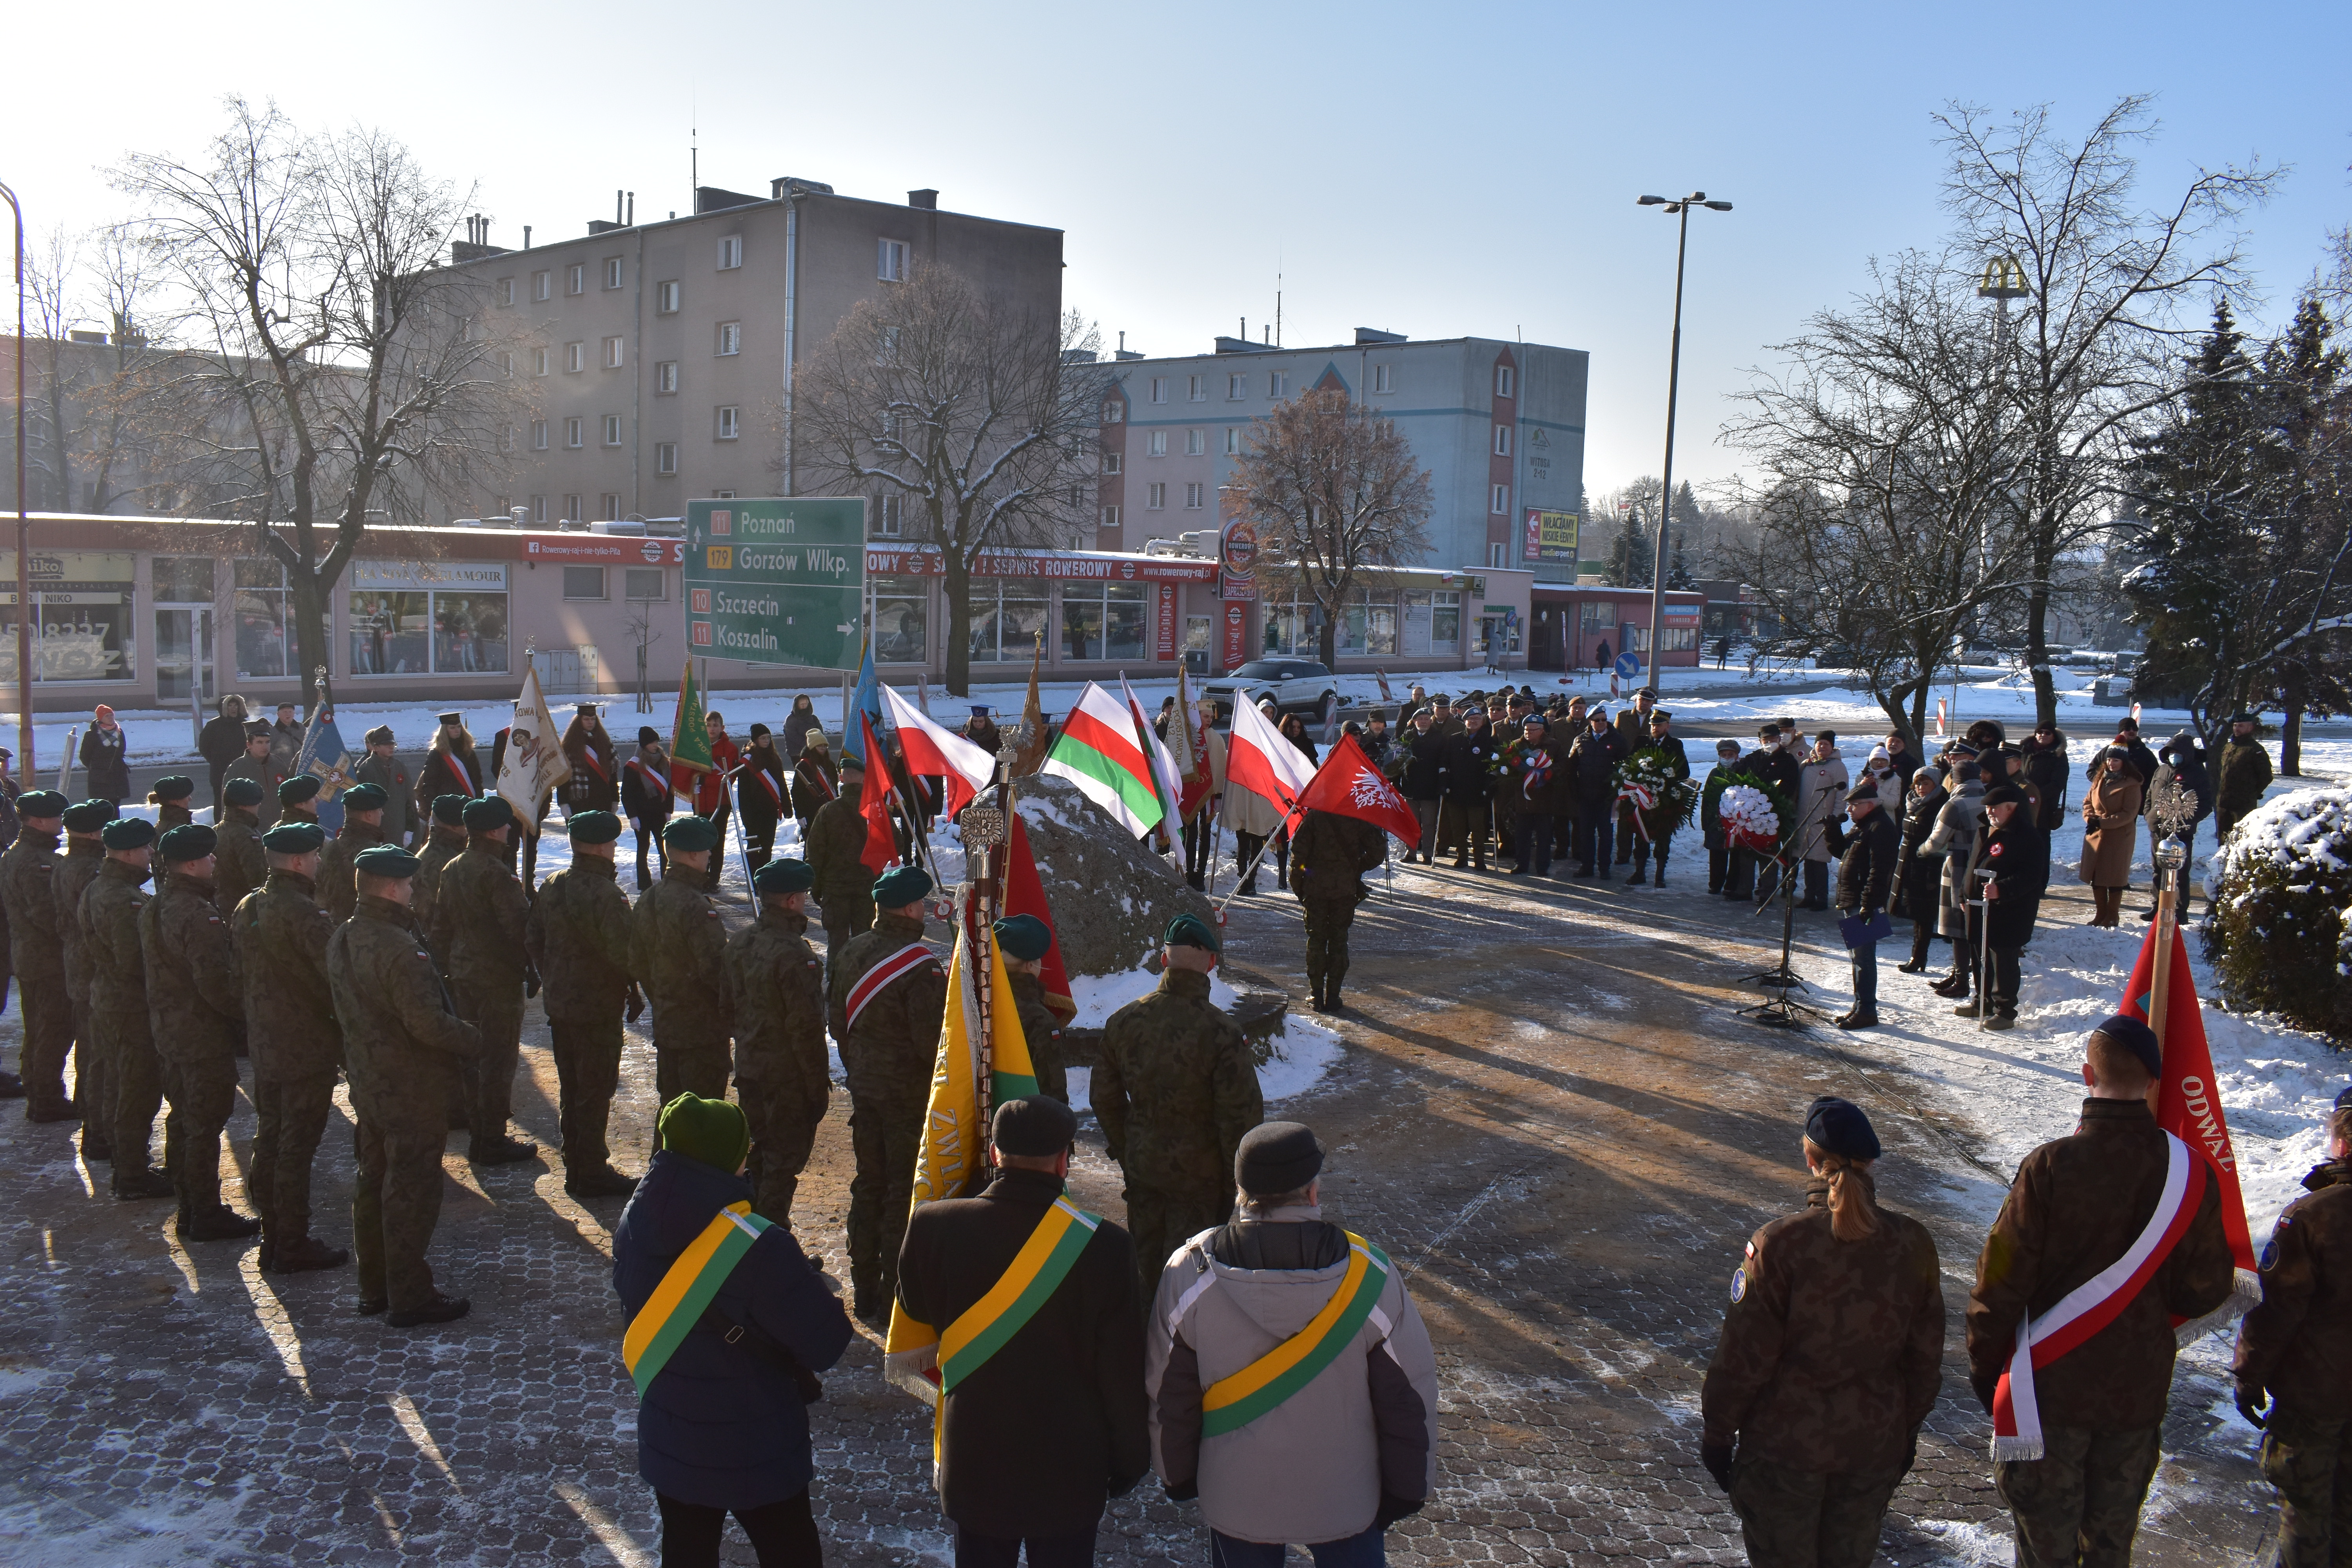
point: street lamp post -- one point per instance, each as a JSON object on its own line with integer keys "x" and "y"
{"x": 23, "y": 528}
{"x": 1681, "y": 208}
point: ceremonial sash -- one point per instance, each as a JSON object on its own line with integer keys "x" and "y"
{"x": 1239, "y": 1398}
{"x": 459, "y": 768}
{"x": 678, "y": 1302}
{"x": 871, "y": 984}
{"x": 1036, "y": 1272}
{"x": 588, "y": 755}
{"x": 768, "y": 784}
{"x": 822, "y": 783}
{"x": 2092, "y": 1306}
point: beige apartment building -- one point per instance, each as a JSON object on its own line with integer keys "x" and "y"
{"x": 658, "y": 357}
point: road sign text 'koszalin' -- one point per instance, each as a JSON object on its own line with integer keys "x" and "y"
{"x": 776, "y": 581}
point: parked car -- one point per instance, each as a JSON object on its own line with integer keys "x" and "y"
{"x": 1296, "y": 686}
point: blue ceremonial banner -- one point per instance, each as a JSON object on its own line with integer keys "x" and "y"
{"x": 867, "y": 700}
{"x": 325, "y": 757}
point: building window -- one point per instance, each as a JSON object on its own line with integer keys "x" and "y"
{"x": 612, "y": 429}
{"x": 666, "y": 298}
{"x": 1432, "y": 623}
{"x": 1277, "y": 384}
{"x": 575, "y": 278}
{"x": 1495, "y": 553}
{"x": 665, "y": 377}
{"x": 612, "y": 272}
{"x": 1157, "y": 446}
{"x": 575, "y": 356}
{"x": 730, "y": 422}
{"x": 1505, "y": 381}
{"x": 506, "y": 437}
{"x": 666, "y": 456}
{"x": 890, "y": 260}
{"x": 1113, "y": 413}
{"x": 731, "y": 338}
{"x": 730, "y": 253}
{"x": 1155, "y": 497}
{"x": 506, "y": 291}
{"x": 647, "y": 585}
{"x": 539, "y": 510}
{"x": 1114, "y": 462}
{"x": 1110, "y": 517}
{"x": 1502, "y": 440}
{"x": 539, "y": 361}
{"x": 1236, "y": 386}
{"x": 1193, "y": 497}
{"x": 1196, "y": 443}
{"x": 261, "y": 599}
{"x": 542, "y": 285}
{"x": 889, "y": 515}
{"x": 612, "y": 354}
{"x": 573, "y": 437}
{"x": 1384, "y": 378}
{"x": 1232, "y": 440}
{"x": 505, "y": 364}
{"x": 1196, "y": 390}
{"x": 438, "y": 617}
{"x": 901, "y": 619}
{"x": 1107, "y": 621}
{"x": 571, "y": 509}
{"x": 584, "y": 582}
{"x": 1008, "y": 617}
{"x": 611, "y": 509}
{"x": 538, "y": 435}
{"x": 1500, "y": 505}
{"x": 722, "y": 495}
{"x": 1158, "y": 389}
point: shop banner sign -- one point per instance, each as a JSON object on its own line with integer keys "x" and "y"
{"x": 776, "y": 581}
{"x": 1550, "y": 535}
{"x": 1164, "y": 639}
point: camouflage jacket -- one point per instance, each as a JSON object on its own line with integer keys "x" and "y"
{"x": 195, "y": 997}
{"x": 1329, "y": 854}
{"x": 842, "y": 882}
{"x": 399, "y": 802}
{"x": 2298, "y": 1342}
{"x": 444, "y": 845}
{"x": 578, "y": 938}
{"x": 263, "y": 772}
{"x": 889, "y": 1052}
{"x": 478, "y": 913}
{"x": 678, "y": 952}
{"x": 777, "y": 984}
{"x": 239, "y": 863}
{"x": 75, "y": 869}
{"x": 1832, "y": 1350}
{"x": 1042, "y": 1030}
{"x": 2076, "y": 1207}
{"x": 109, "y": 933}
{"x": 289, "y": 1011}
{"x": 29, "y": 871}
{"x": 403, "y": 1041}
{"x": 1176, "y": 1090}
{"x": 2239, "y": 777}
{"x": 338, "y": 877}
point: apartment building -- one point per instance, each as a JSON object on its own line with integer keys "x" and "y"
{"x": 1499, "y": 425}
{"x": 659, "y": 356}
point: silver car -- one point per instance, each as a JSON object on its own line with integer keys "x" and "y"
{"x": 1296, "y": 686}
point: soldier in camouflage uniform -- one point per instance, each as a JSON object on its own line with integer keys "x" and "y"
{"x": 478, "y": 914}
{"x": 890, "y": 1036}
{"x": 239, "y": 865}
{"x": 298, "y": 1048}
{"x": 777, "y": 985}
{"x": 677, "y": 952}
{"x": 364, "y": 808}
{"x": 298, "y": 800}
{"x": 27, "y": 876}
{"x": 1024, "y": 941}
{"x": 403, "y": 1042}
{"x": 578, "y": 939}
{"x": 444, "y": 844}
{"x": 1328, "y": 857}
{"x": 93, "y": 1076}
{"x": 109, "y": 918}
{"x": 845, "y": 883}
{"x": 169, "y": 798}
{"x": 257, "y": 768}
{"x": 195, "y": 1006}
{"x": 1174, "y": 1093}
{"x": 1829, "y": 1361}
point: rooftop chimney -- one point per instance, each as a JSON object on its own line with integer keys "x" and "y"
{"x": 928, "y": 200}
{"x": 1372, "y": 335}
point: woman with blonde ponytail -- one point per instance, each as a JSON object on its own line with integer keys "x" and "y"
{"x": 1829, "y": 1359}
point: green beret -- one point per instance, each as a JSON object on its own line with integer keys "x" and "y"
{"x": 128, "y": 832}
{"x": 298, "y": 789}
{"x": 41, "y": 802}
{"x": 365, "y": 797}
{"x": 189, "y": 841}
{"x": 294, "y": 838}
{"x": 488, "y": 814}
{"x": 449, "y": 810}
{"x": 174, "y": 786}
{"x": 384, "y": 860}
{"x": 594, "y": 827}
{"x": 1024, "y": 937}
{"x": 87, "y": 815}
{"x": 710, "y": 1131}
{"x": 1190, "y": 930}
{"x": 780, "y": 879}
{"x": 901, "y": 885}
{"x": 236, "y": 791}
{"x": 692, "y": 834}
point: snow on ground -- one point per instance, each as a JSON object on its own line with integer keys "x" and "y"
{"x": 1303, "y": 1051}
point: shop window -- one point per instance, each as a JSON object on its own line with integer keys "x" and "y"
{"x": 1007, "y": 618}
{"x": 584, "y": 582}
{"x": 407, "y": 618}
{"x": 1107, "y": 622}
{"x": 901, "y": 620}
{"x": 261, "y": 599}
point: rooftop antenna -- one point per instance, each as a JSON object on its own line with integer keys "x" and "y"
{"x": 693, "y": 153}
{"x": 1277, "y": 297}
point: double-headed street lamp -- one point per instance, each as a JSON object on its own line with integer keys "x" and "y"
{"x": 1681, "y": 207}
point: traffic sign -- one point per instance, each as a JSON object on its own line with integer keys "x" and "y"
{"x": 1629, "y": 665}
{"x": 776, "y": 581}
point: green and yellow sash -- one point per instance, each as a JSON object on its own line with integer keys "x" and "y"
{"x": 1234, "y": 1401}
{"x": 1036, "y": 1272}
{"x": 679, "y": 1301}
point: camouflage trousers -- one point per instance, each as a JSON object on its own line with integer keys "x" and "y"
{"x": 497, "y": 1010}
{"x": 48, "y": 1038}
{"x": 1162, "y": 1222}
{"x": 395, "y": 1204}
{"x": 784, "y": 1118}
{"x": 2078, "y": 1507}
{"x": 138, "y": 1089}
{"x": 588, "y": 1073}
{"x": 290, "y": 1118}
{"x": 885, "y": 1131}
{"x": 1327, "y": 941}
{"x": 690, "y": 1060}
{"x": 93, "y": 1085}
{"x": 203, "y": 1091}
{"x": 1805, "y": 1518}
{"x": 2310, "y": 1463}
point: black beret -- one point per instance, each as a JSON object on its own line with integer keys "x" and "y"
{"x": 294, "y": 838}
{"x": 189, "y": 841}
{"x": 128, "y": 832}
{"x": 298, "y": 789}
{"x": 2003, "y": 793}
{"x": 781, "y": 878}
{"x": 380, "y": 736}
{"x": 691, "y": 834}
{"x": 648, "y": 736}
{"x": 1276, "y": 1157}
{"x": 1837, "y": 1126}
{"x": 488, "y": 814}
{"x": 2243, "y": 717}
{"x": 41, "y": 802}
{"x": 449, "y": 810}
{"x": 1190, "y": 930}
{"x": 384, "y": 860}
{"x": 2137, "y": 1039}
{"x": 241, "y": 792}
{"x": 259, "y": 730}
{"x": 1862, "y": 791}
{"x": 87, "y": 815}
{"x": 1034, "y": 1128}
{"x": 594, "y": 827}
{"x": 174, "y": 786}
{"x": 365, "y": 797}
{"x": 1024, "y": 936}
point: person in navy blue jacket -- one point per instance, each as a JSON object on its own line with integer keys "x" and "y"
{"x": 724, "y": 1427}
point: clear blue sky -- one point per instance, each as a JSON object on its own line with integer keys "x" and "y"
{"x": 1429, "y": 170}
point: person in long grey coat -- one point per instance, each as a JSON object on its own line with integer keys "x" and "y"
{"x": 1957, "y": 827}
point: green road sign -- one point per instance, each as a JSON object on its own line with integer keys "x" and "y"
{"x": 776, "y": 581}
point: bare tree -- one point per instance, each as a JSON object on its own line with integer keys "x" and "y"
{"x": 1337, "y": 495}
{"x": 317, "y": 306}
{"x": 979, "y": 417}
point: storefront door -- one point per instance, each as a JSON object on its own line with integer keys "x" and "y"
{"x": 184, "y": 655}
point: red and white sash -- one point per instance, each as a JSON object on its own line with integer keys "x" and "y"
{"x": 875, "y": 981}
{"x": 2092, "y": 1306}
{"x": 457, "y": 768}
{"x": 767, "y": 782}
{"x": 807, "y": 772}
{"x": 588, "y": 755}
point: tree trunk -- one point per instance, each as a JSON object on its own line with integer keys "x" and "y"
{"x": 311, "y": 646}
{"x": 2293, "y": 697}
{"x": 1326, "y": 641}
{"x": 2037, "y": 639}
{"x": 958, "y": 586}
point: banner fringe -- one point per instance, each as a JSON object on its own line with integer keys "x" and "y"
{"x": 2245, "y": 1295}
{"x": 2013, "y": 1449}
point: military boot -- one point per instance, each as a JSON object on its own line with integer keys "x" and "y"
{"x": 11, "y": 1086}
{"x": 305, "y": 1254}
{"x": 221, "y": 1223}
{"x": 141, "y": 1183}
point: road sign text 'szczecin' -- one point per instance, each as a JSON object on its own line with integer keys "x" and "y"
{"x": 776, "y": 581}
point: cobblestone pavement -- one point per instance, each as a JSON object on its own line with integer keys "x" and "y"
{"x": 1547, "y": 1110}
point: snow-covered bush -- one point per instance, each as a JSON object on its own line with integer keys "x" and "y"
{"x": 2280, "y": 936}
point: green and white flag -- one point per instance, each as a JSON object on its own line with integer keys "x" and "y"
{"x": 1097, "y": 752}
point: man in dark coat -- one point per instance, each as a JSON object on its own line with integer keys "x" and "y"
{"x": 2045, "y": 770}
{"x": 646, "y": 799}
{"x": 1918, "y": 873}
{"x": 2143, "y": 761}
{"x": 1771, "y": 762}
{"x": 2240, "y": 775}
{"x": 28, "y": 877}
{"x": 1039, "y": 1435}
{"x": 1420, "y": 776}
{"x": 222, "y": 740}
{"x": 1329, "y": 854}
{"x": 1466, "y": 778}
{"x": 1904, "y": 760}
{"x": 843, "y": 883}
{"x": 782, "y": 1077}
{"x": 478, "y": 913}
{"x": 1661, "y": 738}
{"x": 195, "y": 1006}
{"x": 577, "y": 938}
{"x": 678, "y": 954}
{"x": 401, "y": 817}
{"x": 1866, "y": 884}
{"x": 2017, "y": 854}
{"x": 1592, "y": 760}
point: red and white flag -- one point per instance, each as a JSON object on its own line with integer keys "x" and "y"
{"x": 1164, "y": 779}
{"x": 935, "y": 752}
{"x": 1188, "y": 742}
{"x": 1347, "y": 784}
{"x": 1259, "y": 760}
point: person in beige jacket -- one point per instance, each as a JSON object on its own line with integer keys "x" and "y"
{"x": 2111, "y": 834}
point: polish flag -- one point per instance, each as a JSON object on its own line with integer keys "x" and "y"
{"x": 1163, "y": 760}
{"x": 1259, "y": 760}
{"x": 1193, "y": 770}
{"x": 1347, "y": 784}
{"x": 934, "y": 752}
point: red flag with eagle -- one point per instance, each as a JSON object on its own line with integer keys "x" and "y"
{"x": 881, "y": 851}
{"x": 1347, "y": 784}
